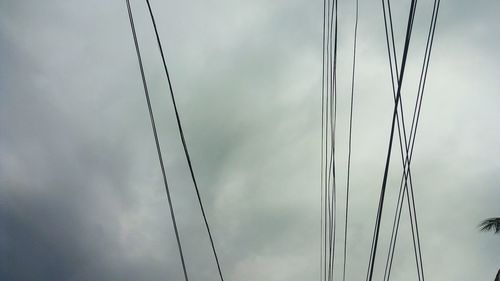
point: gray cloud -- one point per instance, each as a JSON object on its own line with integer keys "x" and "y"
{"x": 80, "y": 188}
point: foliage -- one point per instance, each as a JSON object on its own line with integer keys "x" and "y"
{"x": 491, "y": 224}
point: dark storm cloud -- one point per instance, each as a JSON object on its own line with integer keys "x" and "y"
{"x": 81, "y": 195}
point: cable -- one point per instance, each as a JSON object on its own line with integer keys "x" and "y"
{"x": 416, "y": 115}
{"x": 155, "y": 134}
{"x": 184, "y": 145}
{"x": 328, "y": 141}
{"x": 386, "y": 170}
{"x": 322, "y": 142}
{"x": 402, "y": 191}
{"x": 350, "y": 141}
{"x": 333, "y": 114}
{"x": 327, "y": 146}
{"x": 422, "y": 85}
{"x": 333, "y": 131}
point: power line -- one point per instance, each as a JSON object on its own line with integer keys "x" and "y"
{"x": 322, "y": 143}
{"x": 402, "y": 191}
{"x": 155, "y": 134}
{"x": 333, "y": 209}
{"x": 421, "y": 88}
{"x": 331, "y": 123}
{"x": 328, "y": 165}
{"x": 350, "y": 141}
{"x": 386, "y": 170}
{"x": 183, "y": 139}
{"x": 409, "y": 152}
{"x": 326, "y": 83}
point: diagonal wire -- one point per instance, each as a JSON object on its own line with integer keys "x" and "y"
{"x": 384, "y": 181}
{"x": 322, "y": 142}
{"x": 158, "y": 149}
{"x": 333, "y": 117}
{"x": 326, "y": 131}
{"x": 350, "y": 141}
{"x": 402, "y": 191}
{"x": 183, "y": 139}
{"x": 407, "y": 173}
{"x": 421, "y": 88}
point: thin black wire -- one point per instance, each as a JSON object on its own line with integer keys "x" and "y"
{"x": 329, "y": 139}
{"x": 333, "y": 117}
{"x": 422, "y": 84}
{"x": 184, "y": 145}
{"x": 401, "y": 191}
{"x": 158, "y": 149}
{"x": 392, "y": 77}
{"x": 326, "y": 167}
{"x": 416, "y": 115}
{"x": 350, "y": 141}
{"x": 386, "y": 170}
{"x": 322, "y": 141}
{"x": 334, "y": 124}
{"x": 329, "y": 145}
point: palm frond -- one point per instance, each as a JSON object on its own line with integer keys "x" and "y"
{"x": 491, "y": 224}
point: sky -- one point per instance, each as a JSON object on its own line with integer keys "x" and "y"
{"x": 81, "y": 193}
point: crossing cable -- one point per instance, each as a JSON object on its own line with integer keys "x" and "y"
{"x": 328, "y": 131}
{"x": 322, "y": 145}
{"x": 328, "y": 147}
{"x": 333, "y": 113}
{"x": 402, "y": 192}
{"x": 407, "y": 174}
{"x": 330, "y": 38}
{"x": 184, "y": 145}
{"x": 411, "y": 207}
{"x": 155, "y": 134}
{"x": 392, "y": 75}
{"x": 327, "y": 142}
{"x": 412, "y": 132}
{"x": 421, "y": 88}
{"x": 384, "y": 181}
{"x": 350, "y": 141}
{"x": 327, "y": 217}
{"x": 333, "y": 132}
{"x": 325, "y": 129}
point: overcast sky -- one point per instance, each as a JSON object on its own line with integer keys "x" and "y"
{"x": 81, "y": 194}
